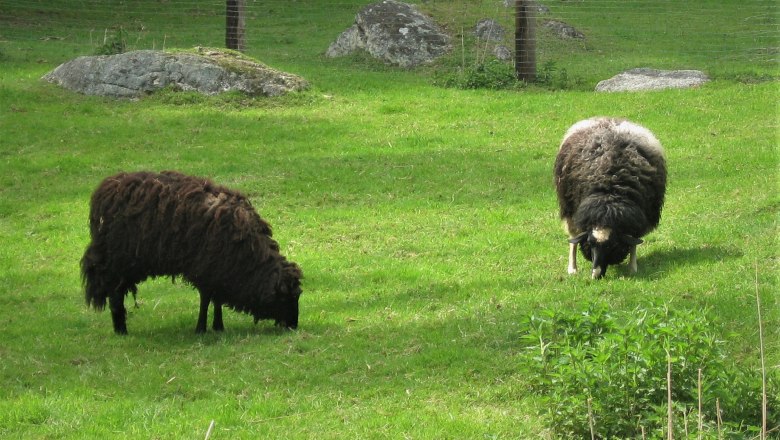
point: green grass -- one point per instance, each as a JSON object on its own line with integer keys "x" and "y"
{"x": 424, "y": 219}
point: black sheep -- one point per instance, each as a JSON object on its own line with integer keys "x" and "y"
{"x": 147, "y": 224}
{"x": 610, "y": 176}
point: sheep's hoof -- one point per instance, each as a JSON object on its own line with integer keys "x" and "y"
{"x": 572, "y": 271}
{"x": 120, "y": 330}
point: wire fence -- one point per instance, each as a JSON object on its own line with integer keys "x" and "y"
{"x": 587, "y": 36}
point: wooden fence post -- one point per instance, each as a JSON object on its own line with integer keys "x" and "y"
{"x": 235, "y": 24}
{"x": 525, "y": 40}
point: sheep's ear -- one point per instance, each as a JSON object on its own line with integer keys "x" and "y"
{"x": 633, "y": 241}
{"x": 578, "y": 239}
{"x": 292, "y": 270}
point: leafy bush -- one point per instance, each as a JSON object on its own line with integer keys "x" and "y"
{"x": 553, "y": 78}
{"x": 498, "y": 75}
{"x": 493, "y": 74}
{"x": 595, "y": 368}
{"x": 114, "y": 42}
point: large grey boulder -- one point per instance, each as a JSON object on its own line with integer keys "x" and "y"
{"x": 208, "y": 71}
{"x": 652, "y": 79}
{"x": 394, "y": 32}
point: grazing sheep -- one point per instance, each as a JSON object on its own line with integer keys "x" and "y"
{"x": 610, "y": 176}
{"x": 147, "y": 224}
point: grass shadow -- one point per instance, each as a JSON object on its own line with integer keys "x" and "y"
{"x": 660, "y": 262}
{"x": 181, "y": 334}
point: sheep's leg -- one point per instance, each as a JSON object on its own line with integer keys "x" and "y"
{"x": 217, "y": 323}
{"x": 116, "y": 302}
{"x": 203, "y": 314}
{"x": 572, "y": 258}
{"x": 632, "y": 260}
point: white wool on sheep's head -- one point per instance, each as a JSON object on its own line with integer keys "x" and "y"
{"x": 602, "y": 235}
{"x": 640, "y": 135}
{"x": 627, "y": 129}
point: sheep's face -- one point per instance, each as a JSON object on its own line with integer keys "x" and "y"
{"x": 284, "y": 308}
{"x": 604, "y": 247}
{"x": 287, "y": 309}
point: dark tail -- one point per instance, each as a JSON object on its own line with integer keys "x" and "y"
{"x": 95, "y": 290}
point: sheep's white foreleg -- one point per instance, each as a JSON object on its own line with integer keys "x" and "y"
{"x": 632, "y": 266}
{"x": 572, "y": 258}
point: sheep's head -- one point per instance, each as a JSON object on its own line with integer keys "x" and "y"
{"x": 283, "y": 308}
{"x": 603, "y": 247}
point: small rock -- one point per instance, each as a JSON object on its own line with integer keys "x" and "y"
{"x": 502, "y": 53}
{"x": 652, "y": 79}
{"x": 488, "y": 29}
{"x": 563, "y": 30}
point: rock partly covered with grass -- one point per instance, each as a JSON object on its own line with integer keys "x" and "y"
{"x": 563, "y": 30}
{"x": 651, "y": 79}
{"x": 488, "y": 29}
{"x": 208, "y": 71}
{"x": 394, "y": 32}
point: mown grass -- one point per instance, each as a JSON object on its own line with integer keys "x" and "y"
{"x": 424, "y": 219}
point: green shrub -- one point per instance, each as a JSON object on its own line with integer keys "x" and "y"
{"x": 614, "y": 368}
{"x": 173, "y": 95}
{"x": 498, "y": 75}
{"x": 114, "y": 42}
{"x": 553, "y": 78}
{"x": 493, "y": 74}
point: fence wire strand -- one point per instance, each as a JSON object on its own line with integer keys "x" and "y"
{"x": 721, "y": 36}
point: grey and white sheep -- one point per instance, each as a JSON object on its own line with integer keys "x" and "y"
{"x": 610, "y": 176}
{"x": 147, "y": 224}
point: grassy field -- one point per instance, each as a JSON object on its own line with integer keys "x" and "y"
{"x": 424, "y": 219}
